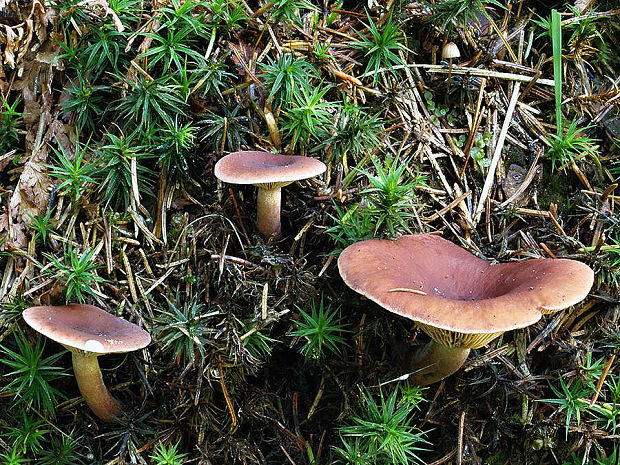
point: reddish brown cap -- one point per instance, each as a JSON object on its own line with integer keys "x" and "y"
{"x": 436, "y": 283}
{"x": 266, "y": 169}
{"x": 86, "y": 328}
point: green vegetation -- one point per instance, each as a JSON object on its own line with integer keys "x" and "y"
{"x": 151, "y": 102}
{"x": 450, "y": 12}
{"x": 29, "y": 435}
{"x": 11, "y": 122}
{"x": 13, "y": 458}
{"x": 322, "y": 329}
{"x": 571, "y": 400}
{"x": 119, "y": 157}
{"x": 168, "y": 455}
{"x": 226, "y": 131}
{"x": 288, "y": 11}
{"x": 87, "y": 102}
{"x": 391, "y": 196}
{"x": 74, "y": 172}
{"x": 556, "y": 41}
{"x": 61, "y": 451}
{"x": 351, "y": 225}
{"x": 76, "y": 272}
{"x": 356, "y": 133}
{"x": 183, "y": 332}
{"x": 32, "y": 375}
{"x": 177, "y": 145}
{"x": 42, "y": 226}
{"x": 381, "y": 49}
{"x": 285, "y": 77}
{"x": 387, "y": 206}
{"x": 570, "y": 147}
{"x": 439, "y": 110}
{"x": 308, "y": 121}
{"x": 383, "y": 432}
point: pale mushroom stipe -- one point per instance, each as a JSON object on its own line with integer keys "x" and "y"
{"x": 461, "y": 301}
{"x": 88, "y": 332}
{"x": 269, "y": 172}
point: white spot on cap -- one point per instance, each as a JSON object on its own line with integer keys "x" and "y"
{"x": 93, "y": 346}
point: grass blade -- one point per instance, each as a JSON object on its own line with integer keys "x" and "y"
{"x": 556, "y": 40}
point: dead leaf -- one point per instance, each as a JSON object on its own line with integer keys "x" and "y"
{"x": 24, "y": 45}
{"x": 43, "y": 17}
{"x": 11, "y": 45}
{"x": 31, "y": 194}
{"x": 106, "y": 11}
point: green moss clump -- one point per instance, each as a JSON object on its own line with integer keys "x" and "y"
{"x": 555, "y": 188}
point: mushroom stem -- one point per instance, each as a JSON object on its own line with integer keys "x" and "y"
{"x": 268, "y": 212}
{"x": 90, "y": 383}
{"x": 449, "y": 80}
{"x": 435, "y": 361}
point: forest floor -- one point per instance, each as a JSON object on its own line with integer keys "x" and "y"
{"x": 113, "y": 115}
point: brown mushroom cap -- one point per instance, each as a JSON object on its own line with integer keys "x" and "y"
{"x": 450, "y": 50}
{"x": 464, "y": 293}
{"x": 86, "y": 328}
{"x": 264, "y": 169}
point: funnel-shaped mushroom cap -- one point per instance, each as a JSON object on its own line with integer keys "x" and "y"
{"x": 86, "y": 328}
{"x": 266, "y": 169}
{"x": 436, "y": 283}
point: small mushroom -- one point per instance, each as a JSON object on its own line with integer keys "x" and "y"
{"x": 461, "y": 301}
{"x": 88, "y": 332}
{"x": 450, "y": 51}
{"x": 269, "y": 172}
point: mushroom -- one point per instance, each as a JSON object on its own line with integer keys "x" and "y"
{"x": 88, "y": 332}
{"x": 269, "y": 172}
{"x": 449, "y": 52}
{"x": 461, "y": 301}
